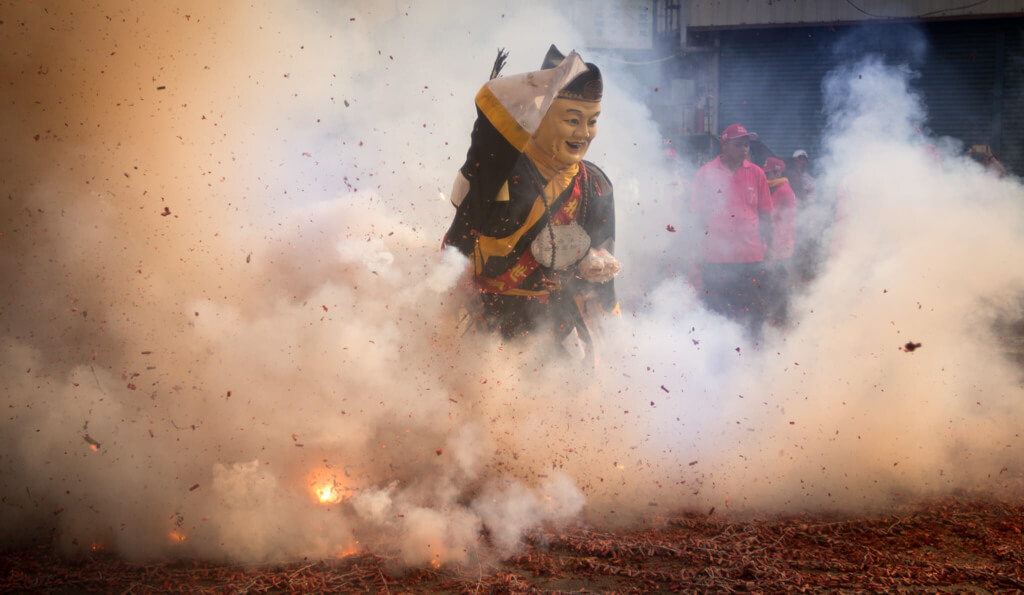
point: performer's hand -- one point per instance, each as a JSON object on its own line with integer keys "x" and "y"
{"x": 598, "y": 266}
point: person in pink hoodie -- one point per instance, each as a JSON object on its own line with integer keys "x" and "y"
{"x": 783, "y": 240}
{"x": 732, "y": 207}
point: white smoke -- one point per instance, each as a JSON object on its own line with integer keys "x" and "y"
{"x": 224, "y": 292}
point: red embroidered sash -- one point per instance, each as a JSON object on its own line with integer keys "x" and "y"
{"x": 510, "y": 280}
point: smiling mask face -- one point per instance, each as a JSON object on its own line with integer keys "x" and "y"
{"x": 566, "y": 132}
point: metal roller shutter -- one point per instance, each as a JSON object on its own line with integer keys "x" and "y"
{"x": 970, "y": 79}
{"x": 1009, "y": 142}
{"x": 770, "y": 81}
{"x": 957, "y": 80}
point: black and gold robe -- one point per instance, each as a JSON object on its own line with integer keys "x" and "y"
{"x": 503, "y": 203}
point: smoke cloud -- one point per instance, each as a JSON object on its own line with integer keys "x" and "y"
{"x": 229, "y": 329}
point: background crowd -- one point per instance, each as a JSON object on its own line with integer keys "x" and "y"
{"x": 755, "y": 243}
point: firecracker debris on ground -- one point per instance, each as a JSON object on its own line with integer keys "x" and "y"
{"x": 954, "y": 544}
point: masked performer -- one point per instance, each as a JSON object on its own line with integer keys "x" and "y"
{"x": 535, "y": 219}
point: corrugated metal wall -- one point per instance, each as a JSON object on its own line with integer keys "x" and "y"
{"x": 969, "y": 77}
{"x": 1011, "y": 125}
{"x": 733, "y": 13}
{"x": 770, "y": 81}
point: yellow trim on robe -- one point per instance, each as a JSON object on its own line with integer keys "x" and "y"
{"x": 488, "y": 246}
{"x": 502, "y": 121}
{"x": 503, "y": 193}
{"x": 526, "y": 292}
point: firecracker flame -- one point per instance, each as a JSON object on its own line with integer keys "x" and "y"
{"x": 324, "y": 486}
{"x": 327, "y": 491}
{"x": 177, "y": 537}
{"x": 349, "y": 550}
{"x": 328, "y": 494}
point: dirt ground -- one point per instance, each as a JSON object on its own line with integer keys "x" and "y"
{"x": 953, "y": 545}
{"x": 970, "y": 543}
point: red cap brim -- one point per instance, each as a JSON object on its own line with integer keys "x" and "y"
{"x": 750, "y": 135}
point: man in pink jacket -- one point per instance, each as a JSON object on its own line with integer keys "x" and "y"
{"x": 733, "y": 206}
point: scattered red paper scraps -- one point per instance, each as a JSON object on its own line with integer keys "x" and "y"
{"x": 193, "y": 488}
{"x": 670, "y": 228}
{"x": 911, "y": 346}
{"x": 927, "y": 546}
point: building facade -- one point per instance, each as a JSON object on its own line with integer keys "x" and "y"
{"x": 763, "y": 63}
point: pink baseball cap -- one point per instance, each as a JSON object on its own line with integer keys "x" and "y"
{"x": 737, "y": 131}
{"x": 773, "y": 164}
